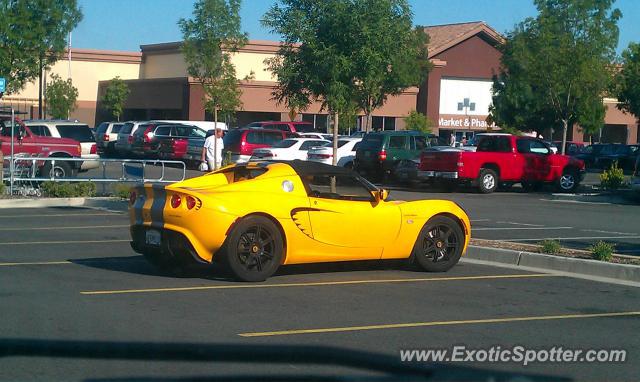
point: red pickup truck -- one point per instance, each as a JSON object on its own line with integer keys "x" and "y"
{"x": 503, "y": 159}
{"x": 32, "y": 145}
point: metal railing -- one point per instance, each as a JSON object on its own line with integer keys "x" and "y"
{"x": 27, "y": 169}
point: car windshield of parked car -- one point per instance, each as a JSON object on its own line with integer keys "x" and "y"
{"x": 285, "y": 144}
{"x": 372, "y": 141}
{"x": 304, "y": 128}
{"x": 80, "y": 133}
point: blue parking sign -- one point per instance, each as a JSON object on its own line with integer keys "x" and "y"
{"x": 2, "y": 84}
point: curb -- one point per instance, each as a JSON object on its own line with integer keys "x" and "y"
{"x": 582, "y": 268}
{"x": 602, "y": 197}
{"x": 113, "y": 204}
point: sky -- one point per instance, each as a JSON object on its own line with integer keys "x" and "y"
{"x": 127, "y": 24}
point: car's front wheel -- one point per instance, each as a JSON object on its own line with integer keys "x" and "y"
{"x": 254, "y": 249}
{"x": 439, "y": 244}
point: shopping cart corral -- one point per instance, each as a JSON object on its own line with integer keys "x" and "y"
{"x": 24, "y": 174}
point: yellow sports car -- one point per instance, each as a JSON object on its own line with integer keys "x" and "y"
{"x": 257, "y": 216}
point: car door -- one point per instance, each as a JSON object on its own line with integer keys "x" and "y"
{"x": 344, "y": 213}
{"x": 541, "y": 153}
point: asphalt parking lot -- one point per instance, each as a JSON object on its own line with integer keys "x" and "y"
{"x": 529, "y": 218}
{"x": 70, "y": 274}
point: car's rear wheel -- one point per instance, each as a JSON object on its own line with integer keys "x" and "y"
{"x": 439, "y": 244}
{"x": 254, "y": 249}
{"x": 487, "y": 181}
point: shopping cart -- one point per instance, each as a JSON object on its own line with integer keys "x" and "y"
{"x": 23, "y": 171}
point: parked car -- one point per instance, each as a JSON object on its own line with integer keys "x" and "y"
{"x": 106, "y": 136}
{"x": 32, "y": 145}
{"x": 379, "y": 152}
{"x": 241, "y": 142}
{"x": 358, "y": 134}
{"x": 571, "y": 148}
{"x": 288, "y": 149}
{"x": 163, "y": 140}
{"x": 504, "y": 159}
{"x": 635, "y": 177}
{"x": 203, "y": 125}
{"x": 176, "y": 145}
{"x": 328, "y": 137}
{"x": 346, "y": 152}
{"x": 125, "y": 137}
{"x": 259, "y": 213}
{"x": 77, "y": 131}
{"x": 291, "y": 126}
{"x": 624, "y": 155}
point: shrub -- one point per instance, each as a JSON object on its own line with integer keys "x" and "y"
{"x": 550, "y": 247}
{"x": 68, "y": 190}
{"x": 602, "y": 251}
{"x": 122, "y": 191}
{"x": 612, "y": 178}
{"x": 418, "y": 122}
{"x": 2, "y": 187}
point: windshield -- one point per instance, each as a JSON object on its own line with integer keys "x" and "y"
{"x": 285, "y": 144}
{"x": 80, "y": 133}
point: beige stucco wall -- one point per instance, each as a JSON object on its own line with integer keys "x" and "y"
{"x": 247, "y": 62}
{"x": 85, "y": 76}
{"x": 173, "y": 65}
{"x": 169, "y": 65}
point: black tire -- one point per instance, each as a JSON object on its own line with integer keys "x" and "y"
{"x": 487, "y": 181}
{"x": 439, "y": 244}
{"x": 568, "y": 182}
{"x": 254, "y": 249}
{"x": 61, "y": 169}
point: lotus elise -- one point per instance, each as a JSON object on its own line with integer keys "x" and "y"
{"x": 254, "y": 217}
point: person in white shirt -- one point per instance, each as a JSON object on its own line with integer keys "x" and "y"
{"x": 212, "y": 150}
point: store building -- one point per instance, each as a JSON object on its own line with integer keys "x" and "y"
{"x": 456, "y": 95}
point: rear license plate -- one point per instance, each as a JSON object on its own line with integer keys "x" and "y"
{"x": 152, "y": 237}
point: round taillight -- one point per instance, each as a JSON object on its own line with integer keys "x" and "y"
{"x": 176, "y": 200}
{"x": 132, "y": 197}
{"x": 191, "y": 202}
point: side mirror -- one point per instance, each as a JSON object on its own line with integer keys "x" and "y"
{"x": 381, "y": 195}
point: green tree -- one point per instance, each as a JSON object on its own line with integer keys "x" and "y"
{"x": 115, "y": 95}
{"x": 418, "y": 122}
{"x": 627, "y": 85}
{"x": 340, "y": 53}
{"x": 210, "y": 37}
{"x": 556, "y": 67}
{"x": 33, "y": 34}
{"x": 61, "y": 97}
{"x": 390, "y": 54}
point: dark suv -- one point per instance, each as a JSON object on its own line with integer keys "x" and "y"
{"x": 379, "y": 153}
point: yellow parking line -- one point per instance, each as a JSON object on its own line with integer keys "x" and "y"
{"x": 64, "y": 242}
{"x": 327, "y": 283}
{"x": 36, "y": 263}
{"x": 58, "y": 228}
{"x": 438, "y": 323}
